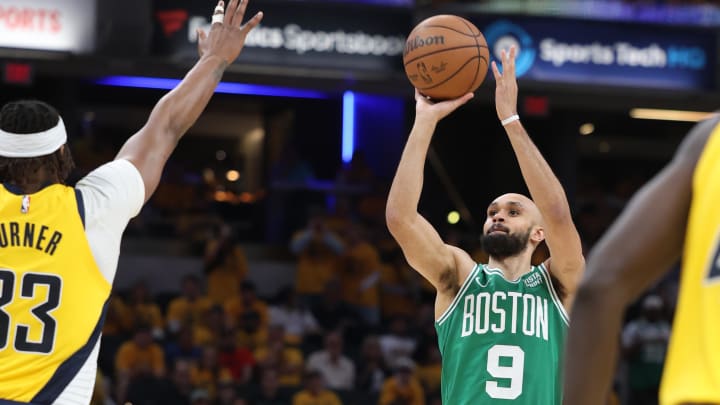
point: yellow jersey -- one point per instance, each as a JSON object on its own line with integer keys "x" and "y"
{"x": 52, "y": 294}
{"x": 692, "y": 367}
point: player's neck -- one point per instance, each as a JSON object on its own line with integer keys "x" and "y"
{"x": 513, "y": 267}
{"x": 35, "y": 182}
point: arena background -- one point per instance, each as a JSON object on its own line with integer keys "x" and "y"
{"x": 310, "y": 123}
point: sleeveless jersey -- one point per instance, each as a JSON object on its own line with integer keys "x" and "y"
{"x": 501, "y": 341}
{"x": 692, "y": 367}
{"x": 52, "y": 294}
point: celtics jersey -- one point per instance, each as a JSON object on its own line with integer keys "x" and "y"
{"x": 501, "y": 341}
{"x": 692, "y": 366}
{"x": 52, "y": 294}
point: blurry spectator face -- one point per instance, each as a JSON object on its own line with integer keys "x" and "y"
{"x": 248, "y": 294}
{"x": 209, "y": 357}
{"x": 216, "y": 317}
{"x": 140, "y": 293}
{"x": 652, "y": 308}
{"x": 314, "y": 382}
{"x": 403, "y": 375}
{"x": 276, "y": 334}
{"x": 185, "y": 340}
{"x": 333, "y": 292}
{"x": 181, "y": 374}
{"x": 269, "y": 381}
{"x": 371, "y": 349}
{"x": 250, "y": 321}
{"x": 398, "y": 326}
{"x": 143, "y": 338}
{"x": 190, "y": 288}
{"x": 226, "y": 392}
{"x": 333, "y": 344}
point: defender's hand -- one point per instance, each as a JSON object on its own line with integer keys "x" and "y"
{"x": 506, "y": 89}
{"x": 227, "y": 38}
{"x": 425, "y": 108}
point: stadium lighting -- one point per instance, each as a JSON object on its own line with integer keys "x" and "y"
{"x": 223, "y": 87}
{"x": 348, "y": 126}
{"x": 669, "y": 115}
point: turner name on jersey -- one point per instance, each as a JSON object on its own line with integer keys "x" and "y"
{"x": 503, "y": 312}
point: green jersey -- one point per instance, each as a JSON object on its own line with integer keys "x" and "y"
{"x": 502, "y": 341}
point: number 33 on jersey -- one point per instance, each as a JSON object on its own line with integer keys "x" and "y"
{"x": 48, "y": 276}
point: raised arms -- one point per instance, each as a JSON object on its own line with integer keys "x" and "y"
{"x": 150, "y": 148}
{"x": 640, "y": 246}
{"x": 566, "y": 260}
{"x": 423, "y": 248}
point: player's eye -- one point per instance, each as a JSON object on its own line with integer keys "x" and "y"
{"x": 514, "y": 212}
{"x": 492, "y": 213}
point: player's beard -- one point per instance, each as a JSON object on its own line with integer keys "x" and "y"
{"x": 503, "y": 245}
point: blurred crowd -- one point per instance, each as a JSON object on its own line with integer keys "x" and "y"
{"x": 357, "y": 324}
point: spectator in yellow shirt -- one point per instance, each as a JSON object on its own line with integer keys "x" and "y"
{"x": 402, "y": 387}
{"x": 359, "y": 272}
{"x": 314, "y": 392}
{"x": 317, "y": 249}
{"x": 142, "y": 309}
{"x": 247, "y": 300}
{"x": 251, "y": 334}
{"x": 189, "y": 308}
{"x": 277, "y": 354}
{"x": 226, "y": 265}
{"x": 137, "y": 358}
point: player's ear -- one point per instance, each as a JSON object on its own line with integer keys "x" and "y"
{"x": 537, "y": 234}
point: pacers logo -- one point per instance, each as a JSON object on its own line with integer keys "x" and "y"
{"x": 504, "y": 34}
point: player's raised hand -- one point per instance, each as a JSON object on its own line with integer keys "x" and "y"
{"x": 227, "y": 34}
{"x": 506, "y": 89}
{"x": 424, "y": 108}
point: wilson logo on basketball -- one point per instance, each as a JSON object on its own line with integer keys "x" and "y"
{"x": 417, "y": 42}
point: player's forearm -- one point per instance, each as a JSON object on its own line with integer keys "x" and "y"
{"x": 592, "y": 347}
{"x": 181, "y": 107}
{"x": 545, "y": 188}
{"x": 406, "y": 188}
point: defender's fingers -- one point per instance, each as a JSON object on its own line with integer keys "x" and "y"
{"x": 230, "y": 12}
{"x": 253, "y": 22}
{"x": 240, "y": 12}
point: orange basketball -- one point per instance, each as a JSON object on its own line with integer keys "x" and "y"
{"x": 445, "y": 57}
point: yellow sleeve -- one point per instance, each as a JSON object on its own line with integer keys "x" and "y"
{"x": 387, "y": 393}
{"x": 300, "y": 399}
{"x": 158, "y": 360}
{"x": 241, "y": 262}
{"x": 418, "y": 393}
{"x": 334, "y": 399}
{"x": 124, "y": 357}
{"x": 175, "y": 310}
{"x": 156, "y": 317}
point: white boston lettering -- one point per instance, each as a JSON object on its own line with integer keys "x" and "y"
{"x": 487, "y": 312}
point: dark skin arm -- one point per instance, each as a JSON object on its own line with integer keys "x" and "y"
{"x": 150, "y": 148}
{"x": 642, "y": 245}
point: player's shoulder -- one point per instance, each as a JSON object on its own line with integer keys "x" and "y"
{"x": 695, "y": 141}
{"x": 114, "y": 188}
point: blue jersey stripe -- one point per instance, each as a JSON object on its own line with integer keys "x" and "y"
{"x": 70, "y": 367}
{"x": 80, "y": 205}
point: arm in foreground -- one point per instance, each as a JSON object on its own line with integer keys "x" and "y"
{"x": 639, "y": 247}
{"x": 150, "y": 148}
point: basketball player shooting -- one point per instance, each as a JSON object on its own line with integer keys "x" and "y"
{"x": 501, "y": 325}
{"x": 59, "y": 245}
{"x": 675, "y": 214}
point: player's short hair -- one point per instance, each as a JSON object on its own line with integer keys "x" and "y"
{"x": 28, "y": 117}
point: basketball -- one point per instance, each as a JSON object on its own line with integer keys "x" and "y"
{"x": 445, "y": 57}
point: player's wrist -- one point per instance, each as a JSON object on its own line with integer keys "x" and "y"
{"x": 509, "y": 119}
